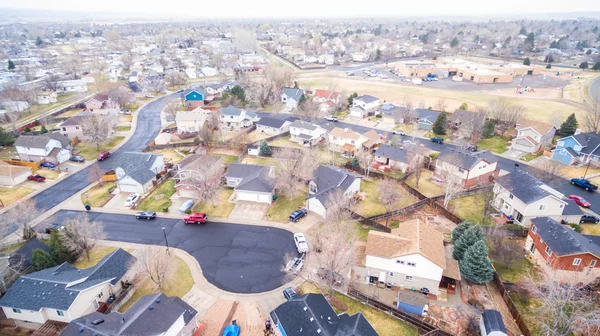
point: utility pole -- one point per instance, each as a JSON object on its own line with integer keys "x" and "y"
{"x": 166, "y": 241}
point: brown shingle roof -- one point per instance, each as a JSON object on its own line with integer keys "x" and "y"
{"x": 11, "y": 170}
{"x": 340, "y": 132}
{"x": 540, "y": 127}
{"x": 372, "y": 135}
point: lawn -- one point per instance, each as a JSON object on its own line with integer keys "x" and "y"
{"x": 517, "y": 271}
{"x": 178, "y": 284}
{"x": 98, "y": 195}
{"x": 530, "y": 157}
{"x": 370, "y": 206}
{"x": 591, "y": 229}
{"x": 169, "y": 154}
{"x": 96, "y": 254}
{"x": 470, "y": 209}
{"x": 89, "y": 150}
{"x": 227, "y": 159}
{"x": 285, "y": 142}
{"x": 7, "y": 152}
{"x": 37, "y": 109}
{"x": 11, "y": 195}
{"x": 494, "y": 144}
{"x": 426, "y": 186}
{"x": 407, "y": 128}
{"x": 70, "y": 113}
{"x": 265, "y": 161}
{"x": 12, "y": 248}
{"x": 384, "y": 324}
{"x": 50, "y": 174}
{"x": 280, "y": 210}
{"x": 363, "y": 234}
{"x": 222, "y": 207}
{"x": 341, "y": 115}
{"x": 125, "y": 118}
{"x": 159, "y": 199}
{"x": 126, "y": 128}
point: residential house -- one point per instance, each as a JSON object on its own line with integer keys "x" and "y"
{"x": 326, "y": 59}
{"x": 311, "y": 314}
{"x": 219, "y": 88}
{"x": 571, "y": 213}
{"x": 194, "y": 98}
{"x": 326, "y": 182}
{"x": 163, "y": 139}
{"x": 101, "y": 104}
{"x": 472, "y": 167}
{"x": 78, "y": 86}
{"x": 426, "y": 118}
{"x": 46, "y": 97}
{"x": 234, "y": 119}
{"x": 20, "y": 260}
{"x": 193, "y": 170}
{"x": 192, "y": 121}
{"x": 153, "y": 314}
{"x": 73, "y": 127}
{"x": 410, "y": 257}
{"x": 566, "y": 255}
{"x": 359, "y": 57}
{"x": 291, "y": 98}
{"x": 254, "y": 183}
{"x": 364, "y": 105}
{"x": 11, "y": 175}
{"x": 467, "y": 124}
{"x": 274, "y": 126}
{"x": 578, "y": 148}
{"x": 326, "y": 99}
{"x": 392, "y": 114}
{"x": 460, "y": 118}
{"x": 134, "y": 77}
{"x": 373, "y": 140}
{"x": 400, "y": 157}
{"x": 533, "y": 136}
{"x": 346, "y": 141}
{"x": 53, "y": 147}
{"x": 492, "y": 324}
{"x": 137, "y": 172}
{"x": 306, "y": 134}
{"x": 521, "y": 197}
{"x": 64, "y": 293}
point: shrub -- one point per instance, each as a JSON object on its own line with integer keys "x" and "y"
{"x": 475, "y": 303}
{"x": 337, "y": 303}
{"x": 188, "y": 211}
{"x": 27, "y": 129}
{"x": 75, "y": 141}
{"x": 165, "y": 209}
{"x": 576, "y": 227}
{"x": 111, "y": 189}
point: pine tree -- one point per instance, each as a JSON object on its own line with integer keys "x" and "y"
{"x": 5, "y": 137}
{"x": 459, "y": 230}
{"x": 527, "y": 61}
{"x": 454, "y": 42}
{"x": 41, "y": 259}
{"x": 523, "y": 31}
{"x": 583, "y": 65}
{"x": 441, "y": 124}
{"x": 569, "y": 126}
{"x": 549, "y": 66}
{"x": 43, "y": 129}
{"x": 351, "y": 98}
{"x": 596, "y": 66}
{"x": 488, "y": 129}
{"x": 11, "y": 65}
{"x": 58, "y": 251}
{"x": 377, "y": 55}
{"x": 354, "y": 162}
{"x": 467, "y": 239}
{"x": 38, "y": 41}
{"x": 265, "y": 150}
{"x": 475, "y": 265}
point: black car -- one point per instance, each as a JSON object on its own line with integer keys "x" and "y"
{"x": 472, "y": 148}
{"x": 296, "y": 215}
{"x": 589, "y": 219}
{"x": 289, "y": 293}
{"x": 145, "y": 215}
{"x": 77, "y": 158}
{"x": 438, "y": 140}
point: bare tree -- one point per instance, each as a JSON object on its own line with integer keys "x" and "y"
{"x": 448, "y": 169}
{"x": 505, "y": 112}
{"x": 171, "y": 109}
{"x": 176, "y": 78}
{"x": 157, "y": 265}
{"x": 415, "y": 166}
{"x": 310, "y": 109}
{"x": 50, "y": 83}
{"x": 80, "y": 235}
{"x": 591, "y": 118}
{"x": 547, "y": 170}
{"x": 203, "y": 177}
{"x": 119, "y": 94}
{"x": 97, "y": 128}
{"x": 18, "y": 219}
{"x": 267, "y": 90}
{"x": 127, "y": 61}
{"x": 366, "y": 158}
{"x": 441, "y": 105}
{"x": 389, "y": 195}
{"x": 295, "y": 166}
{"x": 153, "y": 84}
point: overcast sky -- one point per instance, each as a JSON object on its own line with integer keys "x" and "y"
{"x": 313, "y": 8}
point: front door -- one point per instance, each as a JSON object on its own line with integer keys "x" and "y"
{"x": 532, "y": 248}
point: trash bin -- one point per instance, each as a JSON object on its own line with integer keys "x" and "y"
{"x": 274, "y": 197}
{"x": 88, "y": 207}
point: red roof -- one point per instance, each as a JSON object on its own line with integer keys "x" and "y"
{"x": 326, "y": 94}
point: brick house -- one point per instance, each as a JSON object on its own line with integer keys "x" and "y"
{"x": 473, "y": 168}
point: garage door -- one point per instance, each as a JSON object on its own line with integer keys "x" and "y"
{"x": 246, "y": 196}
{"x": 187, "y": 193}
{"x": 264, "y": 198}
{"x": 127, "y": 188}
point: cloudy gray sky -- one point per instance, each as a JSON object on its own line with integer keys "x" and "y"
{"x": 313, "y": 8}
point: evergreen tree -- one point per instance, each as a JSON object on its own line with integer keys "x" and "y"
{"x": 596, "y": 66}
{"x": 530, "y": 40}
{"x": 43, "y": 129}
{"x": 463, "y": 107}
{"x": 58, "y": 251}
{"x": 295, "y": 85}
{"x": 549, "y": 59}
{"x": 38, "y": 41}
{"x": 475, "y": 265}
{"x": 488, "y": 129}
{"x": 441, "y": 124}
{"x": 5, "y": 137}
{"x": 239, "y": 92}
{"x": 523, "y": 31}
{"x": 41, "y": 259}
{"x": 302, "y": 99}
{"x": 466, "y": 240}
{"x": 378, "y": 55}
{"x": 354, "y": 162}
{"x": 583, "y": 65}
{"x": 569, "y": 126}
{"x": 549, "y": 66}
{"x": 11, "y": 65}
{"x": 265, "y": 150}
{"x": 527, "y": 61}
{"x": 454, "y": 42}
{"x": 351, "y": 98}
{"x": 459, "y": 230}
{"x": 27, "y": 129}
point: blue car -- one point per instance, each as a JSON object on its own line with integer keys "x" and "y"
{"x": 47, "y": 164}
{"x": 296, "y": 215}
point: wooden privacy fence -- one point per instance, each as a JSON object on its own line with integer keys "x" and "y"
{"x": 271, "y": 138}
{"x": 514, "y": 312}
{"x": 422, "y": 326}
{"x": 370, "y": 222}
{"x": 32, "y": 165}
{"x": 172, "y": 145}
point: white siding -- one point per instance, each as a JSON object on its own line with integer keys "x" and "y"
{"x": 176, "y": 327}
{"x": 26, "y": 315}
{"x": 316, "y": 206}
{"x": 424, "y": 268}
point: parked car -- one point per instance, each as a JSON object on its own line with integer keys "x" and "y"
{"x": 587, "y": 218}
{"x": 472, "y": 148}
{"x": 301, "y": 244}
{"x": 399, "y": 132}
{"x": 132, "y": 199}
{"x": 195, "y": 218}
{"x": 36, "y": 178}
{"x": 331, "y": 118}
{"x": 380, "y": 75}
{"x": 585, "y": 184}
{"x": 149, "y": 96}
{"x": 289, "y": 293}
{"x": 325, "y": 274}
{"x": 297, "y": 215}
{"x": 103, "y": 156}
{"x": 349, "y": 73}
{"x": 145, "y": 215}
{"x": 77, "y": 158}
{"x": 580, "y": 201}
{"x": 47, "y": 164}
{"x": 438, "y": 140}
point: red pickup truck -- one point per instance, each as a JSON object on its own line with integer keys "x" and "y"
{"x": 36, "y": 178}
{"x": 103, "y": 156}
{"x": 195, "y": 218}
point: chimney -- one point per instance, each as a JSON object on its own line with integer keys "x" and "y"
{"x": 577, "y": 131}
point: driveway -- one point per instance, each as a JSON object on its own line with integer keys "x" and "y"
{"x": 514, "y": 154}
{"x": 249, "y": 210}
{"x": 234, "y": 257}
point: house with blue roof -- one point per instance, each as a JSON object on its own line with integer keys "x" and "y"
{"x": 194, "y": 98}
{"x": 578, "y": 148}
{"x": 64, "y": 293}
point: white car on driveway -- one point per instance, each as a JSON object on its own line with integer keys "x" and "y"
{"x": 301, "y": 244}
{"x": 131, "y": 200}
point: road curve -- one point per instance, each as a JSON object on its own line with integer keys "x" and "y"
{"x": 594, "y": 91}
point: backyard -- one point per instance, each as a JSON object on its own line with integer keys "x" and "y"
{"x": 470, "y": 209}
{"x": 426, "y": 186}
{"x": 227, "y": 159}
{"x": 11, "y": 195}
{"x": 285, "y": 142}
{"x": 169, "y": 154}
{"x": 7, "y": 152}
{"x": 265, "y": 161}
{"x": 496, "y": 144}
{"x": 372, "y": 205}
{"x": 89, "y": 150}
{"x": 159, "y": 200}
{"x": 98, "y": 195}
{"x": 96, "y": 254}
{"x": 222, "y": 207}
{"x": 280, "y": 210}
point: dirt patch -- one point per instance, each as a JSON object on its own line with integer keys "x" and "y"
{"x": 159, "y": 196}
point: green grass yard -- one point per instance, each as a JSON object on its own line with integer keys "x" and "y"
{"x": 227, "y": 159}
{"x": 126, "y": 128}
{"x": 159, "y": 199}
{"x": 98, "y": 195}
{"x": 11, "y": 195}
{"x": 260, "y": 161}
{"x": 89, "y": 150}
{"x": 222, "y": 207}
{"x": 494, "y": 144}
{"x": 96, "y": 254}
{"x": 426, "y": 186}
{"x": 280, "y": 209}
{"x": 372, "y": 206}
{"x": 470, "y": 208}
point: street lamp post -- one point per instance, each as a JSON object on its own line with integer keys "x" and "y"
{"x": 166, "y": 241}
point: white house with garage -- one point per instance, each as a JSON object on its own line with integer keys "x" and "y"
{"x": 364, "y": 105}
{"x": 306, "y": 134}
{"x": 254, "y": 183}
{"x": 53, "y": 147}
{"x": 327, "y": 181}
{"x": 137, "y": 172}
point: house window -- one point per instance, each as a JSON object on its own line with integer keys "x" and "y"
{"x": 533, "y": 229}
{"x": 542, "y": 207}
{"x": 60, "y": 313}
{"x": 593, "y": 263}
{"x": 401, "y": 262}
{"x": 577, "y": 148}
{"x": 230, "y": 117}
{"x": 511, "y": 196}
{"x": 352, "y": 142}
{"x": 411, "y": 264}
{"x": 548, "y": 251}
{"x": 576, "y": 261}
{"x": 17, "y": 311}
{"x": 391, "y": 274}
{"x": 64, "y": 129}
{"x": 408, "y": 278}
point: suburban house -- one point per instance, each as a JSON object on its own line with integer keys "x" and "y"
{"x": 274, "y": 126}
{"x": 194, "y": 98}
{"x": 217, "y": 89}
{"x": 137, "y": 172}
{"x": 410, "y": 257}
{"x": 253, "y": 183}
{"x": 11, "y": 175}
{"x": 492, "y": 324}
{"x": 192, "y": 121}
{"x": 326, "y": 99}
{"x": 327, "y": 181}
{"x": 291, "y": 97}
{"x": 392, "y": 114}
{"x": 101, "y": 104}
{"x": 311, "y": 314}
{"x": 533, "y": 136}
{"x": 580, "y": 147}
{"x": 163, "y": 139}
{"x": 64, "y": 293}
{"x": 153, "y": 314}
{"x": 53, "y": 147}
{"x": 364, "y": 105}
{"x": 72, "y": 86}
{"x": 46, "y": 97}
{"x": 400, "y": 157}
{"x": 461, "y": 117}
{"x": 194, "y": 169}
{"x": 306, "y": 134}
{"x": 426, "y": 118}
{"x": 567, "y": 255}
{"x": 373, "y": 140}
{"x": 346, "y": 141}
{"x": 521, "y": 197}
{"x": 234, "y": 119}
{"x": 73, "y": 127}
{"x": 472, "y": 167}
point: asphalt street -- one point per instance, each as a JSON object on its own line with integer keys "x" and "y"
{"x": 148, "y": 127}
{"x": 595, "y": 91}
{"x": 236, "y": 258}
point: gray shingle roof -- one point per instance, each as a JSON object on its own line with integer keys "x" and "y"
{"x": 254, "y": 177}
{"x": 366, "y": 98}
{"x": 40, "y": 141}
{"x": 152, "y": 314}
{"x": 231, "y": 110}
{"x": 429, "y": 115}
{"x": 466, "y": 160}
{"x": 21, "y": 258}
{"x": 48, "y": 288}
{"x": 393, "y": 153}
{"x": 561, "y": 240}
{"x": 137, "y": 165}
{"x": 274, "y": 122}
{"x": 304, "y": 125}
{"x": 572, "y": 209}
{"x": 329, "y": 179}
{"x": 523, "y": 186}
{"x": 294, "y": 94}
{"x": 75, "y": 120}
{"x": 590, "y": 142}
{"x": 492, "y": 321}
